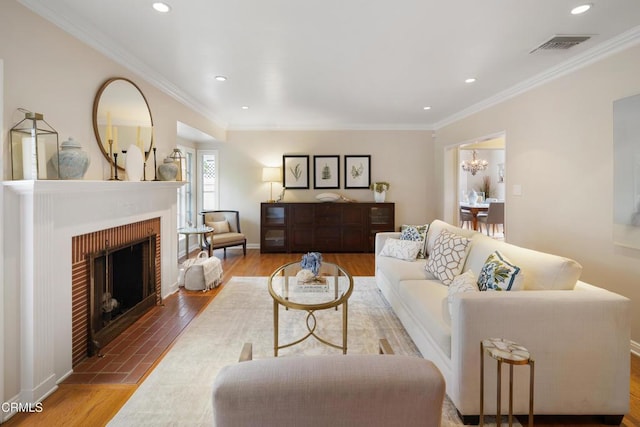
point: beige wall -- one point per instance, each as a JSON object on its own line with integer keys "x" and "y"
{"x": 50, "y": 72}
{"x": 402, "y": 158}
{"x": 559, "y": 149}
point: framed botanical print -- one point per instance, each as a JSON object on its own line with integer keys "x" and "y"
{"x": 326, "y": 171}
{"x": 357, "y": 171}
{"x": 295, "y": 171}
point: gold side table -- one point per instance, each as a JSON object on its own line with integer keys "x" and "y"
{"x": 514, "y": 354}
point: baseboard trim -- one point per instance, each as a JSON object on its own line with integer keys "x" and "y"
{"x": 635, "y": 348}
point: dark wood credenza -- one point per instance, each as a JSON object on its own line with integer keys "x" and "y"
{"x": 323, "y": 227}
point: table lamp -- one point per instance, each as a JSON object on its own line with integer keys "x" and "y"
{"x": 271, "y": 175}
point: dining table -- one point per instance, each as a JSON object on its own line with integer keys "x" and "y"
{"x": 475, "y": 209}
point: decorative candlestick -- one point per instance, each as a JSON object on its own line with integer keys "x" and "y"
{"x": 111, "y": 178}
{"x": 115, "y": 162}
{"x": 155, "y": 166}
{"x": 144, "y": 166}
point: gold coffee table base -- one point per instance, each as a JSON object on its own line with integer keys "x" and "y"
{"x": 310, "y": 328}
{"x": 514, "y": 354}
{"x": 334, "y": 287}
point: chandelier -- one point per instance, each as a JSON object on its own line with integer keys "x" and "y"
{"x": 474, "y": 165}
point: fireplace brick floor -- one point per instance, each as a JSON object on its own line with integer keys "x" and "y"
{"x": 128, "y": 357}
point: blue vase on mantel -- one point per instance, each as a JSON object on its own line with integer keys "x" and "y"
{"x": 71, "y": 159}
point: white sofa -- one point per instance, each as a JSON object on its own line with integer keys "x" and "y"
{"x": 578, "y": 334}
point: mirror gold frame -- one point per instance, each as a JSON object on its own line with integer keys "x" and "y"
{"x": 121, "y": 113}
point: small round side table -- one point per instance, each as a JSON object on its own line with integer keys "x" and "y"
{"x": 514, "y": 354}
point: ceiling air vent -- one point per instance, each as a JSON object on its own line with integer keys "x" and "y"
{"x": 561, "y": 42}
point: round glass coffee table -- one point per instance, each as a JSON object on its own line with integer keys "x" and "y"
{"x": 331, "y": 288}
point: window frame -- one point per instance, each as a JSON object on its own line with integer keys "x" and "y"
{"x": 200, "y": 183}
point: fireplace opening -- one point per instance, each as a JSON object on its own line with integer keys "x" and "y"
{"x": 122, "y": 289}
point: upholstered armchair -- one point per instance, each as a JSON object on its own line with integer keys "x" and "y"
{"x": 226, "y": 230}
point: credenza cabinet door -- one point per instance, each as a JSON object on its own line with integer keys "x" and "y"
{"x": 273, "y": 227}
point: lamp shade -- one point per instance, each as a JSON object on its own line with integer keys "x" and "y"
{"x": 271, "y": 175}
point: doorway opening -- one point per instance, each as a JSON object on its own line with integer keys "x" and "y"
{"x": 474, "y": 189}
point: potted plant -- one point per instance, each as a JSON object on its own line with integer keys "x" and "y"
{"x": 380, "y": 190}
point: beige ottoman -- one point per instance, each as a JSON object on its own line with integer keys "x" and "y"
{"x": 203, "y": 275}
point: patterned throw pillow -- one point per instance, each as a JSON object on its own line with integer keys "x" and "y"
{"x": 417, "y": 233}
{"x": 448, "y": 255}
{"x": 499, "y": 274}
{"x": 466, "y": 282}
{"x": 401, "y": 249}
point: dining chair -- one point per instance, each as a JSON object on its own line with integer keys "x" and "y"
{"x": 494, "y": 216}
{"x": 466, "y": 217}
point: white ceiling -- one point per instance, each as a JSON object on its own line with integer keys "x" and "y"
{"x": 343, "y": 64}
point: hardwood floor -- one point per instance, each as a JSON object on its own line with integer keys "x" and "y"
{"x": 95, "y": 404}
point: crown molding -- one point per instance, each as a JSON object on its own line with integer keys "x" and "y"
{"x": 337, "y": 127}
{"x": 597, "y": 53}
{"x": 102, "y": 44}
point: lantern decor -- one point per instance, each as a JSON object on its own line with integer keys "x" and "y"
{"x": 33, "y": 143}
{"x": 178, "y": 159}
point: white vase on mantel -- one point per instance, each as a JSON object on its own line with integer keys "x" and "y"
{"x": 379, "y": 196}
{"x": 134, "y": 164}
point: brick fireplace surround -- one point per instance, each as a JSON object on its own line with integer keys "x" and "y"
{"x": 41, "y": 219}
{"x": 81, "y": 248}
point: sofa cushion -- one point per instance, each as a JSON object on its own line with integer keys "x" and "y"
{"x": 499, "y": 274}
{"x": 465, "y": 282}
{"x": 541, "y": 270}
{"x": 401, "y": 249}
{"x": 418, "y": 233}
{"x": 427, "y": 301}
{"x": 396, "y": 270}
{"x": 220, "y": 239}
{"x": 448, "y": 256}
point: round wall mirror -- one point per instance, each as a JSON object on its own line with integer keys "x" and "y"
{"x": 121, "y": 115}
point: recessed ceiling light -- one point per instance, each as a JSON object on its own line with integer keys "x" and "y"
{"x": 245, "y": 107}
{"x": 470, "y": 80}
{"x": 581, "y": 9}
{"x": 221, "y": 78}
{"x": 161, "y": 7}
{"x": 426, "y": 108}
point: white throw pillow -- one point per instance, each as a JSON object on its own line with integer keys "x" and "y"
{"x": 401, "y": 249}
{"x": 499, "y": 274}
{"x": 219, "y": 226}
{"x": 465, "y": 282}
{"x": 447, "y": 257}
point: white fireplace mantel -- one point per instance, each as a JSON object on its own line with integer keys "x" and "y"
{"x": 40, "y": 219}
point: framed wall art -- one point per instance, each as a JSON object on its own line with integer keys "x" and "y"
{"x": 295, "y": 171}
{"x": 326, "y": 171}
{"x": 357, "y": 171}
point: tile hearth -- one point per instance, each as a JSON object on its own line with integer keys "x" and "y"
{"x": 128, "y": 357}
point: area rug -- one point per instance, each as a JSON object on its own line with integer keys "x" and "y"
{"x": 178, "y": 391}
